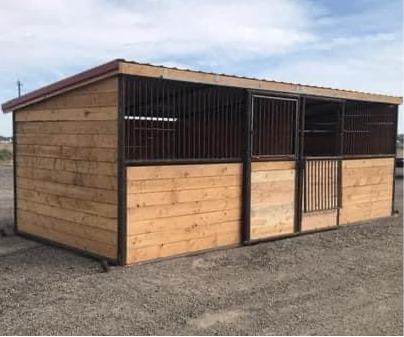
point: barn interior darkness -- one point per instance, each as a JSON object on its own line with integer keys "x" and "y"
{"x": 321, "y": 128}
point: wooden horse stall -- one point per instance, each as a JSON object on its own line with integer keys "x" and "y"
{"x": 183, "y": 167}
{"x": 131, "y": 162}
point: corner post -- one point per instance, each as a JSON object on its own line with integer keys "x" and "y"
{"x": 15, "y": 172}
{"x": 393, "y": 209}
{"x": 121, "y": 172}
{"x": 299, "y": 160}
{"x": 246, "y": 192}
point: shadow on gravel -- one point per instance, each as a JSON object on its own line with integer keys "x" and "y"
{"x": 6, "y": 227}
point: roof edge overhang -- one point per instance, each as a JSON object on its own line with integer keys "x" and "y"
{"x": 170, "y": 73}
{"x": 69, "y": 83}
{"x": 121, "y": 66}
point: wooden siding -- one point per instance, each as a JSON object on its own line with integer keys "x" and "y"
{"x": 178, "y": 209}
{"x": 272, "y": 198}
{"x": 318, "y": 220}
{"x": 366, "y": 189}
{"x": 66, "y": 168}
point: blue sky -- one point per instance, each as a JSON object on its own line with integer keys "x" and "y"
{"x": 350, "y": 44}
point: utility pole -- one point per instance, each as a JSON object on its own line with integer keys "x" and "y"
{"x": 19, "y": 85}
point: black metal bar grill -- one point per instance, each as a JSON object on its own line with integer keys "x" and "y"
{"x": 273, "y": 126}
{"x": 173, "y": 120}
{"x": 321, "y": 187}
{"x": 369, "y": 129}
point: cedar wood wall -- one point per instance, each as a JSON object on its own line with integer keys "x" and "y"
{"x": 66, "y": 168}
{"x": 179, "y": 209}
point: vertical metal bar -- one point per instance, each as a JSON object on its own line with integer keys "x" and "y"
{"x": 163, "y": 121}
{"x": 246, "y": 196}
{"x": 121, "y": 172}
{"x": 299, "y": 168}
{"x": 393, "y": 210}
{"x": 341, "y": 152}
{"x": 15, "y": 172}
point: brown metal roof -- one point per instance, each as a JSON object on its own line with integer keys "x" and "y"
{"x": 145, "y": 69}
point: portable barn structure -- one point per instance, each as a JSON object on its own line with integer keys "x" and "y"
{"x": 134, "y": 162}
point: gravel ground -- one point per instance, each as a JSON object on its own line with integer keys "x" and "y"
{"x": 343, "y": 282}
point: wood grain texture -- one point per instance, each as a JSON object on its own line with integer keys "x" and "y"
{"x": 272, "y": 198}
{"x": 66, "y": 168}
{"x": 318, "y": 220}
{"x": 180, "y": 209}
{"x": 367, "y": 189}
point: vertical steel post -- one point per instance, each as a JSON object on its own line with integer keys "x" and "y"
{"x": 15, "y": 172}
{"x": 121, "y": 172}
{"x": 300, "y": 164}
{"x": 393, "y": 210}
{"x": 341, "y": 126}
{"x": 297, "y": 166}
{"x": 246, "y": 196}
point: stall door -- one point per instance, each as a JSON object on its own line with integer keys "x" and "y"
{"x": 321, "y": 192}
{"x": 273, "y": 174}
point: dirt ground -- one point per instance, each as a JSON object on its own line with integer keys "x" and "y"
{"x": 343, "y": 282}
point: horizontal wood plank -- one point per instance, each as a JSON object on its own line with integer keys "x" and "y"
{"x": 69, "y": 114}
{"x": 68, "y": 127}
{"x": 182, "y": 171}
{"x": 68, "y": 152}
{"x": 272, "y": 175}
{"x": 179, "y": 209}
{"x": 184, "y": 222}
{"x": 176, "y": 184}
{"x": 174, "y": 197}
{"x": 168, "y": 236}
{"x": 272, "y": 165}
{"x": 72, "y": 191}
{"x": 318, "y": 220}
{"x": 76, "y": 166}
{"x": 67, "y": 227}
{"x": 85, "y": 206}
{"x": 78, "y": 100}
{"x": 68, "y": 178}
{"x": 96, "y": 222}
{"x": 171, "y": 249}
{"x": 371, "y": 162}
{"x": 98, "y": 141}
{"x": 85, "y": 244}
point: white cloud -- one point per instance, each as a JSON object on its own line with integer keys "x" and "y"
{"x": 291, "y": 40}
{"x": 57, "y": 31}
